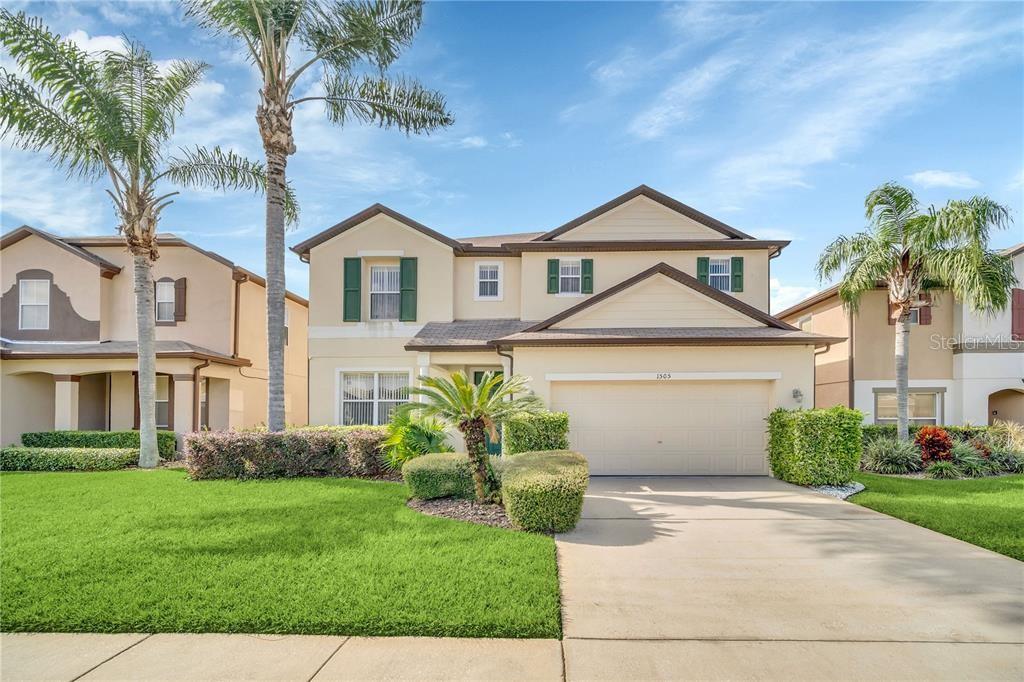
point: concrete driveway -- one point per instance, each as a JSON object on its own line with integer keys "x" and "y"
{"x": 730, "y": 577}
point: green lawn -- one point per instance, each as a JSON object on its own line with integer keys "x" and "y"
{"x": 988, "y": 512}
{"x": 137, "y": 551}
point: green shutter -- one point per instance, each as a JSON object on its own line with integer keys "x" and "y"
{"x": 407, "y": 285}
{"x": 737, "y": 273}
{"x": 352, "y": 283}
{"x": 552, "y": 275}
{"x": 703, "y": 266}
{"x": 587, "y": 278}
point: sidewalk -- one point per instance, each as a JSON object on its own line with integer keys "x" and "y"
{"x": 273, "y": 657}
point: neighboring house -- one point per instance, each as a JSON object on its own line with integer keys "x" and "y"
{"x": 964, "y": 367}
{"x": 69, "y": 356}
{"x": 644, "y": 319}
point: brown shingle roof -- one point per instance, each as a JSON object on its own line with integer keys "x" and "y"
{"x": 16, "y": 235}
{"x": 112, "y": 349}
{"x": 499, "y": 239}
{"x": 464, "y": 334}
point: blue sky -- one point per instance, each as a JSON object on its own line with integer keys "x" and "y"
{"x": 775, "y": 118}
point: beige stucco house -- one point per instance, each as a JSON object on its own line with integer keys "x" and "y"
{"x": 644, "y": 319}
{"x": 68, "y": 353}
{"x": 964, "y": 367}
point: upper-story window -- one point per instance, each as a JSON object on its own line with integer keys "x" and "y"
{"x": 165, "y": 301}
{"x": 488, "y": 282}
{"x": 34, "y": 304}
{"x": 720, "y": 273}
{"x": 385, "y": 292}
{"x": 570, "y": 276}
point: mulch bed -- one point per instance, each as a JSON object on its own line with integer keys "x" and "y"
{"x": 463, "y": 510}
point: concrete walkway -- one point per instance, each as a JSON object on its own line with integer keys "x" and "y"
{"x": 751, "y": 578}
{"x": 665, "y": 578}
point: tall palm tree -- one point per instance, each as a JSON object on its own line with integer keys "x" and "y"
{"x": 112, "y": 115}
{"x": 475, "y": 410}
{"x": 913, "y": 251}
{"x": 338, "y": 38}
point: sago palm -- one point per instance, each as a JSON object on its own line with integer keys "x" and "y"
{"x": 913, "y": 251}
{"x": 339, "y": 39}
{"x": 475, "y": 410}
{"x": 111, "y": 115}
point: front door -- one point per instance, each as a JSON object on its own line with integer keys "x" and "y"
{"x": 492, "y": 448}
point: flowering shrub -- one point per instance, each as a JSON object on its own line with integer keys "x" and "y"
{"x": 935, "y": 444}
{"x": 982, "y": 447}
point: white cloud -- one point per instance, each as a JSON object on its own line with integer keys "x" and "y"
{"x": 472, "y": 142}
{"x": 773, "y": 233}
{"x": 1018, "y": 181}
{"x": 786, "y": 295}
{"x": 708, "y": 21}
{"x": 941, "y": 178}
{"x": 510, "y": 140}
{"x": 32, "y": 192}
{"x": 95, "y": 44}
{"x": 677, "y": 103}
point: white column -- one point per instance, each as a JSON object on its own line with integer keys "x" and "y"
{"x": 422, "y": 369}
{"x": 183, "y": 403}
{"x": 65, "y": 404}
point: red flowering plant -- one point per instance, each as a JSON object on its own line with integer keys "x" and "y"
{"x": 935, "y": 444}
{"x": 982, "y": 447}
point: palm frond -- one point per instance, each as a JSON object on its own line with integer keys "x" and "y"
{"x": 400, "y": 103}
{"x": 890, "y": 206}
{"x": 982, "y": 279}
{"x": 342, "y": 32}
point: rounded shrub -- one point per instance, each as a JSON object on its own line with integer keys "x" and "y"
{"x": 535, "y": 432}
{"x": 543, "y": 491}
{"x": 935, "y": 443}
{"x": 942, "y": 469}
{"x": 439, "y": 474}
{"x": 891, "y": 456}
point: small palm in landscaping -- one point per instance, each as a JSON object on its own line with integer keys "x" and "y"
{"x": 475, "y": 410}
{"x": 943, "y": 469}
{"x": 892, "y": 456}
{"x": 409, "y": 437}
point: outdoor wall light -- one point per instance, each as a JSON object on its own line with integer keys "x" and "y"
{"x": 798, "y": 395}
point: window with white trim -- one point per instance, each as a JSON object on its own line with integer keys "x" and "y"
{"x": 488, "y": 281}
{"x": 720, "y": 273}
{"x": 204, "y": 403}
{"x": 570, "y": 276}
{"x": 370, "y": 397}
{"x": 385, "y": 292}
{"x": 34, "y": 304}
{"x": 915, "y": 316}
{"x": 163, "y": 401}
{"x": 922, "y": 407}
{"x": 165, "y": 301}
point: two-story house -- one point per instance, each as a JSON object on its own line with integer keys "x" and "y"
{"x": 644, "y": 319}
{"x": 68, "y": 358}
{"x": 964, "y": 367}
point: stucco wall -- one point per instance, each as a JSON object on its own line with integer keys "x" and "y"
{"x": 640, "y": 218}
{"x": 329, "y": 356}
{"x": 26, "y": 404}
{"x": 875, "y": 339}
{"x": 208, "y": 297}
{"x": 467, "y": 308}
{"x": 435, "y": 270}
{"x": 994, "y": 327}
{"x": 832, "y": 366}
{"x": 613, "y": 267}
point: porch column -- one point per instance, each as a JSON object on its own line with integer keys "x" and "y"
{"x": 65, "y": 403}
{"x": 422, "y": 369}
{"x": 183, "y": 403}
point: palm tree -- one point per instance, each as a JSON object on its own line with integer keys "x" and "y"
{"x": 112, "y": 115}
{"x": 913, "y": 251}
{"x": 338, "y": 38}
{"x": 475, "y": 410}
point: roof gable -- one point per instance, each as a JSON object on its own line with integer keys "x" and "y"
{"x": 107, "y": 269}
{"x": 635, "y": 303}
{"x": 598, "y": 225}
{"x": 358, "y": 219}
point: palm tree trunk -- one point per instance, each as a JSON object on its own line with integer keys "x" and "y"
{"x": 902, "y": 376}
{"x": 476, "y": 448}
{"x": 276, "y": 163}
{"x": 145, "y": 322}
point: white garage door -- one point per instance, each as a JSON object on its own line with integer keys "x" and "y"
{"x": 667, "y": 427}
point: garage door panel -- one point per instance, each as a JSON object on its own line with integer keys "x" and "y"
{"x": 680, "y": 428}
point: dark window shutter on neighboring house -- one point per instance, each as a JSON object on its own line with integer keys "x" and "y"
{"x": 891, "y": 314}
{"x": 1017, "y": 321}
{"x": 587, "y": 276}
{"x": 737, "y": 273}
{"x": 703, "y": 267}
{"x": 352, "y": 280}
{"x": 552, "y": 275}
{"x": 924, "y": 316}
{"x": 407, "y": 287}
{"x": 179, "y": 300}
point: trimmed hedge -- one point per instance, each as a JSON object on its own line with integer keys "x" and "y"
{"x": 815, "y": 447}
{"x": 439, "y": 474}
{"x": 318, "y": 451}
{"x": 534, "y": 432}
{"x": 67, "y": 459}
{"x": 543, "y": 491}
{"x": 959, "y": 433}
{"x": 165, "y": 440}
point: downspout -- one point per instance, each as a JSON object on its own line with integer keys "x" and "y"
{"x": 511, "y": 360}
{"x": 195, "y": 393}
{"x": 814, "y": 368}
{"x": 850, "y": 379}
{"x": 239, "y": 279}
